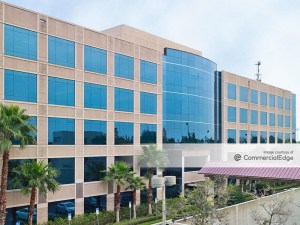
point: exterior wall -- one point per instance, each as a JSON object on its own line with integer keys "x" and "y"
{"x": 252, "y": 84}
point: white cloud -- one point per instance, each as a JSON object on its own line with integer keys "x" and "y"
{"x": 233, "y": 33}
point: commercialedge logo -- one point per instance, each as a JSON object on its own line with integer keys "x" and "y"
{"x": 287, "y": 158}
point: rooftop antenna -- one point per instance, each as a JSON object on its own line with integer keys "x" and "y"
{"x": 258, "y": 75}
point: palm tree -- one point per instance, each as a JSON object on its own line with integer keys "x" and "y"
{"x": 135, "y": 183}
{"x": 33, "y": 176}
{"x": 152, "y": 158}
{"x": 119, "y": 174}
{"x": 14, "y": 125}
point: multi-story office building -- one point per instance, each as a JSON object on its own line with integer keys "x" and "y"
{"x": 96, "y": 97}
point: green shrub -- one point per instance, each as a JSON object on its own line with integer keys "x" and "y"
{"x": 236, "y": 195}
{"x": 139, "y": 221}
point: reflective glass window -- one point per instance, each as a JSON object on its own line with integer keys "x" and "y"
{"x": 93, "y": 168}
{"x": 243, "y": 94}
{"x": 95, "y": 96}
{"x": 231, "y": 91}
{"x": 280, "y": 120}
{"x": 272, "y": 137}
{"x": 279, "y": 138}
{"x": 12, "y": 164}
{"x": 124, "y": 100}
{"x": 61, "y": 91}
{"x": 148, "y": 71}
{"x": 124, "y": 66}
{"x": 231, "y": 136}
{"x": 254, "y": 96}
{"x": 253, "y": 137}
{"x": 243, "y": 115}
{"x": 280, "y": 102}
{"x": 254, "y": 117}
{"x": 94, "y": 132}
{"x": 287, "y": 104}
{"x": 66, "y": 169}
{"x": 148, "y": 133}
{"x": 272, "y": 119}
{"x": 143, "y": 195}
{"x": 263, "y": 98}
{"x": 263, "y": 137}
{"x": 18, "y": 215}
{"x": 148, "y": 103}
{"x": 20, "y": 42}
{"x": 123, "y": 133}
{"x": 263, "y": 118}
{"x": 287, "y": 121}
{"x": 61, "y": 131}
{"x": 287, "y": 138}
{"x": 127, "y": 159}
{"x": 61, "y": 52}
{"x": 272, "y": 100}
{"x": 231, "y": 114}
{"x": 20, "y": 86}
{"x": 61, "y": 209}
{"x": 33, "y": 122}
{"x": 95, "y": 59}
{"x": 243, "y": 136}
{"x": 91, "y": 203}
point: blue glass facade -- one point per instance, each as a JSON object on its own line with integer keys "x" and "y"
{"x": 243, "y": 115}
{"x": 264, "y": 118}
{"x": 20, "y": 42}
{"x": 61, "y": 91}
{"x": 272, "y": 119}
{"x": 189, "y": 95}
{"x": 94, "y": 132}
{"x": 123, "y": 133}
{"x": 243, "y": 136}
{"x": 93, "y": 168}
{"x": 231, "y": 117}
{"x": 254, "y": 116}
{"x": 148, "y": 133}
{"x": 254, "y": 96}
{"x": 279, "y": 102}
{"x": 124, "y": 100}
{"x": 124, "y": 66}
{"x": 148, "y": 103}
{"x": 66, "y": 168}
{"x": 20, "y": 86}
{"x": 263, "y": 98}
{"x": 280, "y": 120}
{"x": 95, "y": 59}
{"x": 231, "y": 136}
{"x": 272, "y": 100}
{"x": 243, "y": 94}
{"x": 95, "y": 96}
{"x": 61, "y": 131}
{"x": 148, "y": 72}
{"x": 231, "y": 91}
{"x": 61, "y": 52}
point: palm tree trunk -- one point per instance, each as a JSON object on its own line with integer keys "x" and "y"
{"x": 134, "y": 203}
{"x": 149, "y": 191}
{"x": 5, "y": 159}
{"x": 118, "y": 201}
{"x": 31, "y": 206}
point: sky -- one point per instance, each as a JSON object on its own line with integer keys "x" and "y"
{"x": 233, "y": 33}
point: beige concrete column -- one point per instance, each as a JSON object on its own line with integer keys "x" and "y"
{"x": 110, "y": 202}
{"x": 79, "y": 206}
{"x": 237, "y": 182}
{"x": 42, "y": 213}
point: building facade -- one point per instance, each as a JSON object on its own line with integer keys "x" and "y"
{"x": 96, "y": 97}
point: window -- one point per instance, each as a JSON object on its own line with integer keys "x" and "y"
{"x": 243, "y": 94}
{"x": 231, "y": 136}
{"x": 263, "y": 118}
{"x": 61, "y": 208}
{"x": 254, "y": 96}
{"x": 123, "y": 133}
{"x": 263, "y": 98}
{"x": 272, "y": 119}
{"x": 148, "y": 133}
{"x": 254, "y": 117}
{"x": 95, "y": 59}
{"x": 95, "y": 96}
{"x": 123, "y": 100}
{"x": 20, "y": 42}
{"x": 12, "y": 215}
{"x": 20, "y": 86}
{"x": 94, "y": 132}
{"x": 287, "y": 104}
{"x": 12, "y": 164}
{"x": 272, "y": 137}
{"x": 91, "y": 203}
{"x": 148, "y": 72}
{"x": 279, "y": 138}
{"x": 243, "y": 115}
{"x": 272, "y": 101}
{"x": 287, "y": 121}
{"x": 287, "y": 138}
{"x": 93, "y": 168}
{"x": 148, "y": 103}
{"x": 61, "y": 131}
{"x": 61, "y": 91}
{"x": 243, "y": 136}
{"x": 231, "y": 91}
{"x": 66, "y": 168}
{"x": 33, "y": 122}
{"x": 253, "y": 138}
{"x": 124, "y": 66}
{"x": 280, "y": 102}
{"x": 263, "y": 137}
{"x": 231, "y": 114}
{"x": 280, "y": 120}
{"x": 61, "y": 52}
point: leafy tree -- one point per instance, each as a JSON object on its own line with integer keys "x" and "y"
{"x": 33, "y": 176}
{"x": 152, "y": 158}
{"x": 118, "y": 173}
{"x": 236, "y": 195}
{"x": 135, "y": 183}
{"x": 14, "y": 125}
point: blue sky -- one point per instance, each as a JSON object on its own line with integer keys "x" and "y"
{"x": 233, "y": 33}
